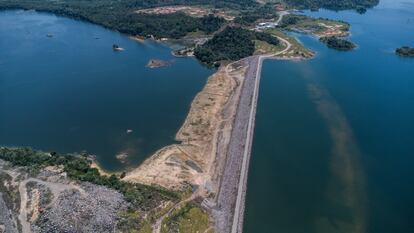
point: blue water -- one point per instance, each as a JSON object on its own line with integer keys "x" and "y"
{"x": 334, "y": 140}
{"x": 72, "y": 92}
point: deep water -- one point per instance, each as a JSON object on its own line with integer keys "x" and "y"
{"x": 333, "y": 149}
{"x": 71, "y": 92}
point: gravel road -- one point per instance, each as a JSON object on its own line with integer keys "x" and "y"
{"x": 229, "y": 210}
{"x": 227, "y": 197}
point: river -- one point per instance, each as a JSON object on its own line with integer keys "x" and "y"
{"x": 63, "y": 88}
{"x": 334, "y": 141}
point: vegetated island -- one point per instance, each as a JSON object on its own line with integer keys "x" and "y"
{"x": 405, "y": 51}
{"x": 338, "y": 43}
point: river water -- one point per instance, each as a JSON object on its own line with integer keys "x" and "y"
{"x": 71, "y": 92}
{"x": 333, "y": 149}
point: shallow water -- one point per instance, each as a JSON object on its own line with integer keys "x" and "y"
{"x": 72, "y": 92}
{"x": 334, "y": 139}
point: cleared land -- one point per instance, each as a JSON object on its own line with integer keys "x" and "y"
{"x": 194, "y": 11}
{"x": 318, "y": 27}
{"x": 50, "y": 202}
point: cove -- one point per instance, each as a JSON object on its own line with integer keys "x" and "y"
{"x": 333, "y": 146}
{"x": 70, "y": 92}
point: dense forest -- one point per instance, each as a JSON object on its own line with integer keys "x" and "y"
{"x": 332, "y": 4}
{"x": 233, "y": 43}
{"x": 121, "y": 15}
{"x": 338, "y": 43}
{"x": 291, "y": 19}
{"x": 174, "y": 25}
{"x": 250, "y": 16}
{"x": 405, "y": 51}
{"x": 230, "y": 44}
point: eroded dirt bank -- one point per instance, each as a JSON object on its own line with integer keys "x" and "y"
{"x": 204, "y": 136}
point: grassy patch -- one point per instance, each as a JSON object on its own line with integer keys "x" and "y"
{"x": 188, "y": 219}
{"x": 132, "y": 222}
{"x": 9, "y": 193}
{"x": 262, "y": 47}
{"x": 146, "y": 228}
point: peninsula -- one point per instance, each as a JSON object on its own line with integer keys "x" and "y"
{"x": 338, "y": 43}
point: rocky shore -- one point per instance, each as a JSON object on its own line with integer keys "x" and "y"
{"x": 50, "y": 202}
{"x": 229, "y": 208}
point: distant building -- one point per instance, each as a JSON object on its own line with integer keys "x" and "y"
{"x": 265, "y": 25}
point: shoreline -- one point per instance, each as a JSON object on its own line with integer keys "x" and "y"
{"x": 249, "y": 89}
{"x": 229, "y": 209}
{"x": 226, "y": 121}
{"x": 229, "y": 206}
{"x": 241, "y": 197}
{"x": 221, "y": 179}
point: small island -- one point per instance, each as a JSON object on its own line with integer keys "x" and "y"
{"x": 338, "y": 43}
{"x": 157, "y": 63}
{"x": 116, "y": 47}
{"x": 405, "y": 51}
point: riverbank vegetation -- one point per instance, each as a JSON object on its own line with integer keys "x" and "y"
{"x": 122, "y": 16}
{"x": 146, "y": 204}
{"x": 405, "y": 51}
{"x": 338, "y": 43}
{"x": 187, "y": 219}
{"x": 143, "y": 19}
{"x": 141, "y": 197}
{"x": 127, "y": 16}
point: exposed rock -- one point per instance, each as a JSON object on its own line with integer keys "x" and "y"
{"x": 156, "y": 63}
